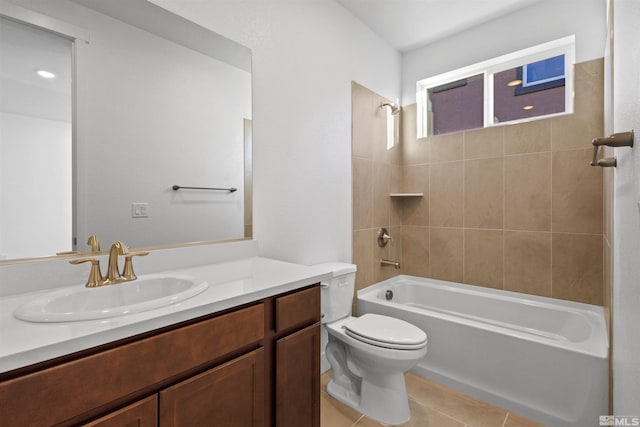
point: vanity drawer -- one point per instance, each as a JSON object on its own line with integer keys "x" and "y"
{"x": 90, "y": 384}
{"x": 297, "y": 310}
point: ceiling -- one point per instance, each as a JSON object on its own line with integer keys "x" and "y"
{"x": 408, "y": 24}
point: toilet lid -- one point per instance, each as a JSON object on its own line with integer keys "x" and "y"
{"x": 385, "y": 331}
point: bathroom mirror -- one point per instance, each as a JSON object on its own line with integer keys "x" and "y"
{"x": 158, "y": 102}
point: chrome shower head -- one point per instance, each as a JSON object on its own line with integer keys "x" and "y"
{"x": 395, "y": 109}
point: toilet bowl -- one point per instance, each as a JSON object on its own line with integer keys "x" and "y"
{"x": 369, "y": 354}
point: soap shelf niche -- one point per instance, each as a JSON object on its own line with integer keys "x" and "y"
{"x": 406, "y": 194}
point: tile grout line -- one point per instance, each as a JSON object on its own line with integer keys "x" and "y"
{"x": 551, "y": 209}
{"x": 357, "y": 421}
{"x": 504, "y": 213}
{"x": 430, "y": 216}
{"x": 506, "y": 417}
{"x": 430, "y": 409}
{"x": 464, "y": 189}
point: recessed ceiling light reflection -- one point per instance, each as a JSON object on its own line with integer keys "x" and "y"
{"x": 514, "y": 82}
{"x": 528, "y": 107}
{"x": 45, "y": 74}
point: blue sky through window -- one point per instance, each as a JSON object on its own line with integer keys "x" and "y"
{"x": 547, "y": 70}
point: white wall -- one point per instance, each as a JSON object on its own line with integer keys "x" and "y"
{"x": 35, "y": 195}
{"x": 626, "y": 241}
{"x": 305, "y": 55}
{"x": 539, "y": 23}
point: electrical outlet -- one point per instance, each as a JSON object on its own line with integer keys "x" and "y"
{"x": 139, "y": 210}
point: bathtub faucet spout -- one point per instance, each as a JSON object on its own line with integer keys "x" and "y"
{"x": 395, "y": 264}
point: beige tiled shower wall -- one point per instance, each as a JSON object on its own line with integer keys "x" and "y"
{"x": 376, "y": 173}
{"x": 513, "y": 207}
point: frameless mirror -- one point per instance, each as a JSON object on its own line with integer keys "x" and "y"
{"x": 154, "y": 101}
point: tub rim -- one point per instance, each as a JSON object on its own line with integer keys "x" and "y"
{"x": 596, "y": 345}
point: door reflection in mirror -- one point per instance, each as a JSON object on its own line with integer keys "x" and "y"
{"x": 35, "y": 141}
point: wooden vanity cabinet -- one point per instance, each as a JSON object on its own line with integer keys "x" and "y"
{"x": 297, "y": 351}
{"x": 253, "y": 366}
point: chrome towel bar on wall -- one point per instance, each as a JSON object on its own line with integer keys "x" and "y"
{"x": 621, "y": 139}
{"x": 178, "y": 187}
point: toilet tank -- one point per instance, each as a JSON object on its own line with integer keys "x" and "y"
{"x": 336, "y": 295}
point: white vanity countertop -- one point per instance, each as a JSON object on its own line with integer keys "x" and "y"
{"x": 231, "y": 284}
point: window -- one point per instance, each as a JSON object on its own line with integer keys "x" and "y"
{"x": 528, "y": 84}
{"x": 459, "y": 105}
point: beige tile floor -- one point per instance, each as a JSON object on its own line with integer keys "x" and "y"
{"x": 431, "y": 405}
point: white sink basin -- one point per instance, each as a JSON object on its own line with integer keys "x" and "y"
{"x": 82, "y": 303}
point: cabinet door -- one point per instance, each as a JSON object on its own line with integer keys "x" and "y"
{"x": 298, "y": 378}
{"x": 230, "y": 395}
{"x": 140, "y": 414}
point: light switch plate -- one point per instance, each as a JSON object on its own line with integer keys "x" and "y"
{"x": 139, "y": 210}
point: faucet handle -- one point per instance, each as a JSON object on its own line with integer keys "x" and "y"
{"x": 128, "y": 274}
{"x": 383, "y": 237}
{"x": 95, "y": 276}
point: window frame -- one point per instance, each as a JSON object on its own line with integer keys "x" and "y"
{"x": 564, "y": 46}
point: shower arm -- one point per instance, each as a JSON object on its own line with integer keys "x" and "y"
{"x": 395, "y": 109}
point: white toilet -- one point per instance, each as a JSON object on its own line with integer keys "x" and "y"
{"x": 368, "y": 354}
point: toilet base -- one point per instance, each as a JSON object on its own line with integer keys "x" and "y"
{"x": 385, "y": 401}
{"x": 344, "y": 395}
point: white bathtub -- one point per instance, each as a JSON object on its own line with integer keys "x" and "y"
{"x": 543, "y": 358}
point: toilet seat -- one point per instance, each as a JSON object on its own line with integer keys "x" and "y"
{"x": 387, "y": 332}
